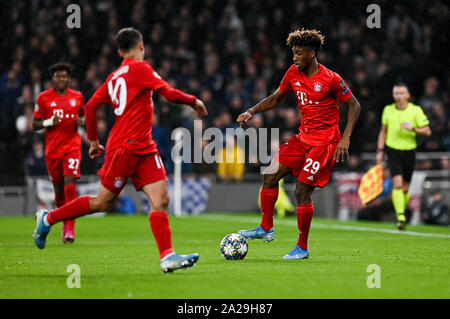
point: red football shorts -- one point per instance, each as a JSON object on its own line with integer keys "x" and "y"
{"x": 310, "y": 164}
{"x": 121, "y": 163}
{"x": 69, "y": 165}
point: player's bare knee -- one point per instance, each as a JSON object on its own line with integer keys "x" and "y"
{"x": 303, "y": 197}
{"x": 98, "y": 204}
{"x": 270, "y": 181}
{"x": 161, "y": 203}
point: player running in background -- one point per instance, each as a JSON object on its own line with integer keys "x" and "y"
{"x": 311, "y": 153}
{"x": 401, "y": 122}
{"x": 60, "y": 110}
{"x": 130, "y": 149}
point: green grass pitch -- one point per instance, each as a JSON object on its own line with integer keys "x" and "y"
{"x": 118, "y": 258}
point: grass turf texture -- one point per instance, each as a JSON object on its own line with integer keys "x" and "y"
{"x": 119, "y": 259}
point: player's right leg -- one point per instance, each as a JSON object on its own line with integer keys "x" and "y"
{"x": 269, "y": 195}
{"x": 159, "y": 222}
{"x": 79, "y": 207}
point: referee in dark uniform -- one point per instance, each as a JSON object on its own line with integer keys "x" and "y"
{"x": 401, "y": 122}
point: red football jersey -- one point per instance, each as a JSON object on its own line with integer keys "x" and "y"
{"x": 129, "y": 90}
{"x": 63, "y": 137}
{"x": 318, "y": 102}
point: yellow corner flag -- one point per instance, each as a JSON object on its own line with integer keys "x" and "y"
{"x": 371, "y": 184}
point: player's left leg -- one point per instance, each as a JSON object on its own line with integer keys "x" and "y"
{"x": 159, "y": 223}
{"x": 305, "y": 212}
{"x": 315, "y": 171}
{"x": 150, "y": 176}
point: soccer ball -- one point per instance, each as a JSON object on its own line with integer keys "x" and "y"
{"x": 234, "y": 246}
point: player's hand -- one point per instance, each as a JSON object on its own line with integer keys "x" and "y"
{"x": 96, "y": 150}
{"x": 80, "y": 120}
{"x": 244, "y": 118}
{"x": 56, "y": 119}
{"x": 342, "y": 150}
{"x": 51, "y": 121}
{"x": 200, "y": 108}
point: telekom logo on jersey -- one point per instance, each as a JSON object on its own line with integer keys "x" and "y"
{"x": 303, "y": 99}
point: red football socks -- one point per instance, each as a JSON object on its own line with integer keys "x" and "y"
{"x": 72, "y": 210}
{"x": 70, "y": 192}
{"x": 269, "y": 197}
{"x": 304, "y": 218}
{"x": 159, "y": 223}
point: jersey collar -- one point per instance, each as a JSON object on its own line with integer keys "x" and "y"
{"x": 303, "y": 75}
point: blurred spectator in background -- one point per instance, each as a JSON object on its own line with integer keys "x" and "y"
{"x": 431, "y": 94}
{"x": 231, "y": 164}
{"x": 35, "y": 161}
{"x": 10, "y": 90}
{"x": 445, "y": 163}
{"x": 229, "y": 53}
{"x": 436, "y": 210}
{"x": 161, "y": 137}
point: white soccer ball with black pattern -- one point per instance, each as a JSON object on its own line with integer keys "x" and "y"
{"x": 234, "y": 246}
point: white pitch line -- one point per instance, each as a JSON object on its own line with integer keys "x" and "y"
{"x": 326, "y": 226}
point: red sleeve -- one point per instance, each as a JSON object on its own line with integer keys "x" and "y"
{"x": 340, "y": 88}
{"x": 177, "y": 96}
{"x": 100, "y": 97}
{"x": 147, "y": 77}
{"x": 285, "y": 85}
{"x": 102, "y": 93}
{"x": 39, "y": 108}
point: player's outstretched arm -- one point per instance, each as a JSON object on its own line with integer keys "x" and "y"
{"x": 179, "y": 97}
{"x": 95, "y": 150}
{"x": 353, "y": 113}
{"x": 268, "y": 103}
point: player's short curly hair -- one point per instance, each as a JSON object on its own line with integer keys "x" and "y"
{"x": 60, "y": 66}
{"x": 313, "y": 39}
{"x": 127, "y": 38}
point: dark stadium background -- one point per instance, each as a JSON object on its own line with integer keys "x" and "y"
{"x": 231, "y": 54}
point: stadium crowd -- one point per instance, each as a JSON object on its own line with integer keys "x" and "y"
{"x": 231, "y": 54}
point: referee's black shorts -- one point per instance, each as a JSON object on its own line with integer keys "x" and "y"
{"x": 401, "y": 162}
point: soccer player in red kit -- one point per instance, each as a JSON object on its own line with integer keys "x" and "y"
{"x": 60, "y": 110}
{"x": 130, "y": 149}
{"x": 311, "y": 153}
